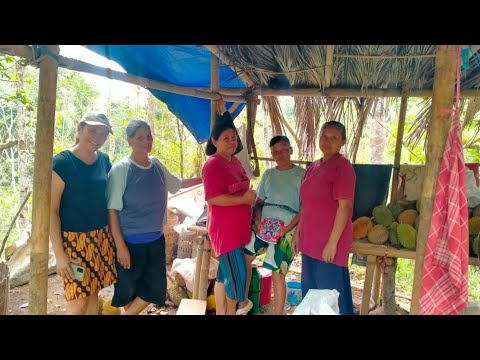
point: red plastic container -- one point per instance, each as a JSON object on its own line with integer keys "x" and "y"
{"x": 266, "y": 288}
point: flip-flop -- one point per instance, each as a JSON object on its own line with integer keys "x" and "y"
{"x": 246, "y": 309}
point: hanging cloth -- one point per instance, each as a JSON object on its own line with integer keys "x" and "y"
{"x": 444, "y": 288}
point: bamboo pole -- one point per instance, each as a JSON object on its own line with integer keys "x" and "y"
{"x": 42, "y": 179}
{"x": 214, "y": 85}
{"x": 198, "y": 243}
{"x": 227, "y": 61}
{"x": 389, "y": 303}
{"x": 252, "y": 103}
{"x": 81, "y": 66}
{"x": 442, "y": 101}
{"x": 367, "y": 285}
{"x": 204, "y": 282}
{"x": 329, "y": 65}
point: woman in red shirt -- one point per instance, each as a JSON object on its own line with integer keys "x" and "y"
{"x": 324, "y": 233}
{"x": 229, "y": 214}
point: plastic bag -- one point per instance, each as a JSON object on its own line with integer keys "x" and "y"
{"x": 319, "y": 302}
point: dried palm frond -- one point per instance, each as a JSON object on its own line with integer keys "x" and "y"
{"x": 365, "y": 109}
{"x": 418, "y": 130}
{"x": 473, "y": 107}
{"x": 271, "y": 106}
{"x": 307, "y": 113}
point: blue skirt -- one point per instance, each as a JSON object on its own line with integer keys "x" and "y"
{"x": 317, "y": 274}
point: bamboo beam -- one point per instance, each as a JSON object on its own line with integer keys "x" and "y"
{"x": 233, "y": 107}
{"x": 214, "y": 86}
{"x": 337, "y": 92}
{"x": 329, "y": 65}
{"x": 42, "y": 180}
{"x": 443, "y": 96}
{"x": 227, "y": 61}
{"x": 82, "y": 66}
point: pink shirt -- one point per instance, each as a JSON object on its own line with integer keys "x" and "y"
{"x": 229, "y": 227}
{"x": 324, "y": 184}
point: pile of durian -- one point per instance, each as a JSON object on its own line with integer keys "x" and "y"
{"x": 396, "y": 223}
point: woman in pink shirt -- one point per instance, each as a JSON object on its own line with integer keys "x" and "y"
{"x": 229, "y": 198}
{"x": 324, "y": 233}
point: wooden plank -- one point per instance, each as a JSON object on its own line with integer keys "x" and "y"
{"x": 192, "y": 307}
{"x": 4, "y": 288}
{"x": 367, "y": 287}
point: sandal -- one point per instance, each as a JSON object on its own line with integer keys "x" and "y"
{"x": 246, "y": 309}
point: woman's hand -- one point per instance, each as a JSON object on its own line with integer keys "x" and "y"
{"x": 329, "y": 252}
{"x": 123, "y": 256}
{"x": 249, "y": 197}
{"x": 63, "y": 266}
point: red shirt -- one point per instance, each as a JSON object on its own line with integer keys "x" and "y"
{"x": 324, "y": 184}
{"x": 229, "y": 227}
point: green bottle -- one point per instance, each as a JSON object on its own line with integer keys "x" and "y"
{"x": 254, "y": 290}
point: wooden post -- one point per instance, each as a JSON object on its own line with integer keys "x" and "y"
{"x": 204, "y": 282}
{"x": 42, "y": 180}
{"x": 389, "y": 303}
{"x": 367, "y": 285}
{"x": 4, "y": 288}
{"x": 214, "y": 86}
{"x": 252, "y": 103}
{"x": 198, "y": 244}
{"x": 442, "y": 101}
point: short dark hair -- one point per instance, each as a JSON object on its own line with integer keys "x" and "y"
{"x": 133, "y": 127}
{"x": 280, "y": 138}
{"x": 335, "y": 125}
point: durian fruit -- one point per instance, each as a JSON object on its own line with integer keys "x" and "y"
{"x": 407, "y": 236}
{"x": 417, "y": 223}
{"x": 382, "y": 215}
{"x": 361, "y": 227}
{"x": 408, "y": 217}
{"x": 476, "y": 245}
{"x": 378, "y": 235}
{"x": 392, "y": 235}
{"x": 474, "y": 225}
{"x": 395, "y": 208}
{"x": 176, "y": 294}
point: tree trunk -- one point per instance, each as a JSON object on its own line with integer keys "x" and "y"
{"x": 23, "y": 219}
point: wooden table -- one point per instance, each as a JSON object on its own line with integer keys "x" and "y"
{"x": 373, "y": 271}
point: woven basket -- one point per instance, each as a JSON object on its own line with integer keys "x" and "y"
{"x": 171, "y": 236}
{"x": 185, "y": 243}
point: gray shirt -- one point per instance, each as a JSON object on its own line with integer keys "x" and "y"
{"x": 139, "y": 194}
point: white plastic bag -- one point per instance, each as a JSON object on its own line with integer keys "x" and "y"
{"x": 319, "y": 302}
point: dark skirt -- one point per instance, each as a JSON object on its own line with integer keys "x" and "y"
{"x": 317, "y": 274}
{"x": 96, "y": 249}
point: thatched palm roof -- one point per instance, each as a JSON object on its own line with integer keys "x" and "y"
{"x": 350, "y": 74}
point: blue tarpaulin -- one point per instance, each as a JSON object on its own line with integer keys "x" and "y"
{"x": 185, "y": 65}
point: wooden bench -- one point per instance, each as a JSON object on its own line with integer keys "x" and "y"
{"x": 373, "y": 271}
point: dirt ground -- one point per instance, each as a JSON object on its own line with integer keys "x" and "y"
{"x": 56, "y": 303}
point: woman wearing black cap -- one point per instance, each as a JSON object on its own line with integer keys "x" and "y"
{"x": 79, "y": 231}
{"x": 229, "y": 197}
